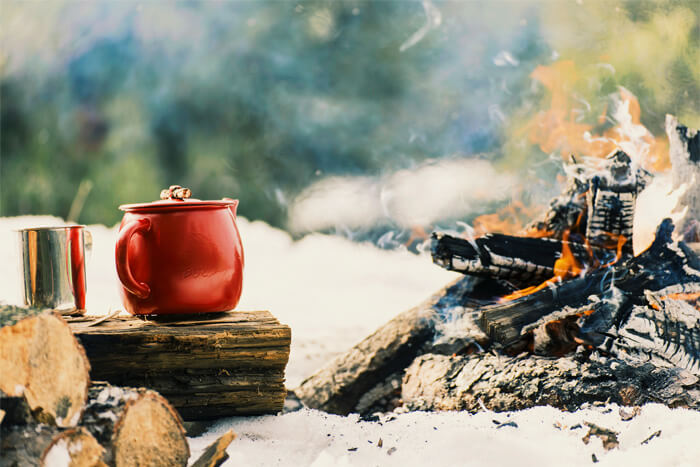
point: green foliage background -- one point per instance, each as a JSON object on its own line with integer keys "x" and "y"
{"x": 258, "y": 99}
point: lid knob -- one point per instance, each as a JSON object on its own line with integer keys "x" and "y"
{"x": 176, "y": 192}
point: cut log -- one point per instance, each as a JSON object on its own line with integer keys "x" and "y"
{"x": 42, "y": 361}
{"x": 207, "y": 366}
{"x": 24, "y": 446}
{"x": 215, "y": 454}
{"x": 500, "y": 383}
{"x": 684, "y": 151}
{"x": 344, "y": 383}
{"x": 136, "y": 427}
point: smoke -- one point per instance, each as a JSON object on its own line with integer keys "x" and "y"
{"x": 654, "y": 204}
{"x": 437, "y": 190}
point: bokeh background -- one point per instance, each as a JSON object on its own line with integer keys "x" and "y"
{"x": 341, "y": 115}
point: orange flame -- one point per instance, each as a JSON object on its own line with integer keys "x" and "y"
{"x": 558, "y": 129}
{"x": 565, "y": 267}
{"x": 510, "y": 220}
{"x": 692, "y": 298}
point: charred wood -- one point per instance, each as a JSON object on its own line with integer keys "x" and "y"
{"x": 611, "y": 202}
{"x": 501, "y": 383}
{"x": 567, "y": 212}
{"x": 666, "y": 334}
{"x": 663, "y": 264}
{"x": 523, "y": 260}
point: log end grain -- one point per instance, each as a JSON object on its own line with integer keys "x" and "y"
{"x": 136, "y": 426}
{"x": 150, "y": 431}
{"x": 43, "y": 361}
{"x": 75, "y": 447}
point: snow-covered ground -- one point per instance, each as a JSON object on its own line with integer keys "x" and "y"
{"x": 333, "y": 293}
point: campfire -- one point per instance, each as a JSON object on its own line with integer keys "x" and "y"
{"x": 563, "y": 313}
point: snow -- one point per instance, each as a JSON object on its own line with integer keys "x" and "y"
{"x": 59, "y": 454}
{"x": 333, "y": 293}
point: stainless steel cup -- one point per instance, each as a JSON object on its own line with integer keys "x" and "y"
{"x": 53, "y": 266}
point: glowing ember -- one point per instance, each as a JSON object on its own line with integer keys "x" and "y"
{"x": 564, "y": 268}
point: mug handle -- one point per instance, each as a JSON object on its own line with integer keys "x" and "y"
{"x": 140, "y": 289}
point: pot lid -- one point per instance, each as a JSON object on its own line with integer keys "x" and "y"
{"x": 177, "y": 197}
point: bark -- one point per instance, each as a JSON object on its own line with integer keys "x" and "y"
{"x": 501, "y": 383}
{"x": 135, "y": 426}
{"x": 23, "y": 446}
{"x": 41, "y": 361}
{"x": 207, "y": 367}
{"x": 215, "y": 454}
{"x": 341, "y": 385}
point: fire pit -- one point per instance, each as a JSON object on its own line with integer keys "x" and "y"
{"x": 563, "y": 315}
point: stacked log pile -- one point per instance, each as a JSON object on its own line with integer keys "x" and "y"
{"x": 52, "y": 415}
{"x": 609, "y": 327}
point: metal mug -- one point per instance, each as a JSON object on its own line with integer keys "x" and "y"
{"x": 53, "y": 266}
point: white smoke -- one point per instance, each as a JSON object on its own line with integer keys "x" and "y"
{"x": 654, "y": 204}
{"x": 417, "y": 197}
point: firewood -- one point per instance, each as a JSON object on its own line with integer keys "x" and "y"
{"x": 42, "y": 361}
{"x": 45, "y": 445}
{"x": 523, "y": 260}
{"x": 501, "y": 383}
{"x": 684, "y": 151}
{"x": 207, "y": 366}
{"x": 215, "y": 454}
{"x": 611, "y": 202}
{"x": 136, "y": 427}
{"x": 663, "y": 264}
{"x": 341, "y": 385}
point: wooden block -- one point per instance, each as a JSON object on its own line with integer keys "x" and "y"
{"x": 207, "y": 366}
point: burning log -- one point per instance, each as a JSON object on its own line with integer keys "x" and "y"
{"x": 136, "y": 426}
{"x": 344, "y": 384}
{"x": 43, "y": 364}
{"x": 501, "y": 383}
{"x": 524, "y": 260}
{"x": 662, "y": 265}
{"x": 611, "y": 200}
{"x": 45, "y": 445}
{"x": 207, "y": 367}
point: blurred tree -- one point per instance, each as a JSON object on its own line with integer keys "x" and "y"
{"x": 258, "y": 99}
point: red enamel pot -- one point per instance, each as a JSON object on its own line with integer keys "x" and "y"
{"x": 179, "y": 255}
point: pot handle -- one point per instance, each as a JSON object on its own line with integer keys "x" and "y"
{"x": 233, "y": 206}
{"x": 140, "y": 289}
